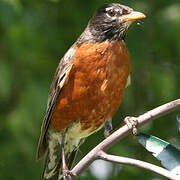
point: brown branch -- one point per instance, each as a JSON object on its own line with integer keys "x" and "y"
{"x": 137, "y": 163}
{"x": 120, "y": 133}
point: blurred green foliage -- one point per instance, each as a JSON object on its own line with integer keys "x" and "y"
{"x": 34, "y": 35}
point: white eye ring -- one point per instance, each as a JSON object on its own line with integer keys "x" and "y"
{"x": 111, "y": 12}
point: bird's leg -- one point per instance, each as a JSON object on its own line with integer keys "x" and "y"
{"x": 108, "y": 127}
{"x": 132, "y": 124}
{"x": 65, "y": 171}
{"x": 64, "y": 166}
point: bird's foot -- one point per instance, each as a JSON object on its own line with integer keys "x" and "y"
{"x": 108, "y": 128}
{"x": 67, "y": 174}
{"x": 132, "y": 123}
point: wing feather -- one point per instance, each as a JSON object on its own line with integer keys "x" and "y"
{"x": 59, "y": 80}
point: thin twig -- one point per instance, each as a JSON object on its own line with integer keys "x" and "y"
{"x": 123, "y": 131}
{"x": 137, "y": 163}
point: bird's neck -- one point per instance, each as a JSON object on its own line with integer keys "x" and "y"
{"x": 93, "y": 36}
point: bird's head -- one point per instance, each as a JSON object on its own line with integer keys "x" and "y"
{"x": 111, "y": 22}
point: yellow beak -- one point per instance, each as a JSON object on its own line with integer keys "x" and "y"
{"x": 134, "y": 15}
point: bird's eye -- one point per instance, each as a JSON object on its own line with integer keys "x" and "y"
{"x": 111, "y": 13}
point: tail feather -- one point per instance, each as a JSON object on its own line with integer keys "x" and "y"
{"x": 50, "y": 174}
{"x": 53, "y": 165}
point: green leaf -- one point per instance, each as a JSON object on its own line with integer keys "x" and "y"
{"x": 163, "y": 151}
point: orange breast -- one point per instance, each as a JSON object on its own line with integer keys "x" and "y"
{"x": 95, "y": 86}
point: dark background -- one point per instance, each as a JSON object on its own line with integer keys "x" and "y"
{"x": 34, "y": 35}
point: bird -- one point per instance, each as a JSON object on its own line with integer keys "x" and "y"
{"x": 87, "y": 88}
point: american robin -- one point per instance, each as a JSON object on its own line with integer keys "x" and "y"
{"x": 87, "y": 88}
